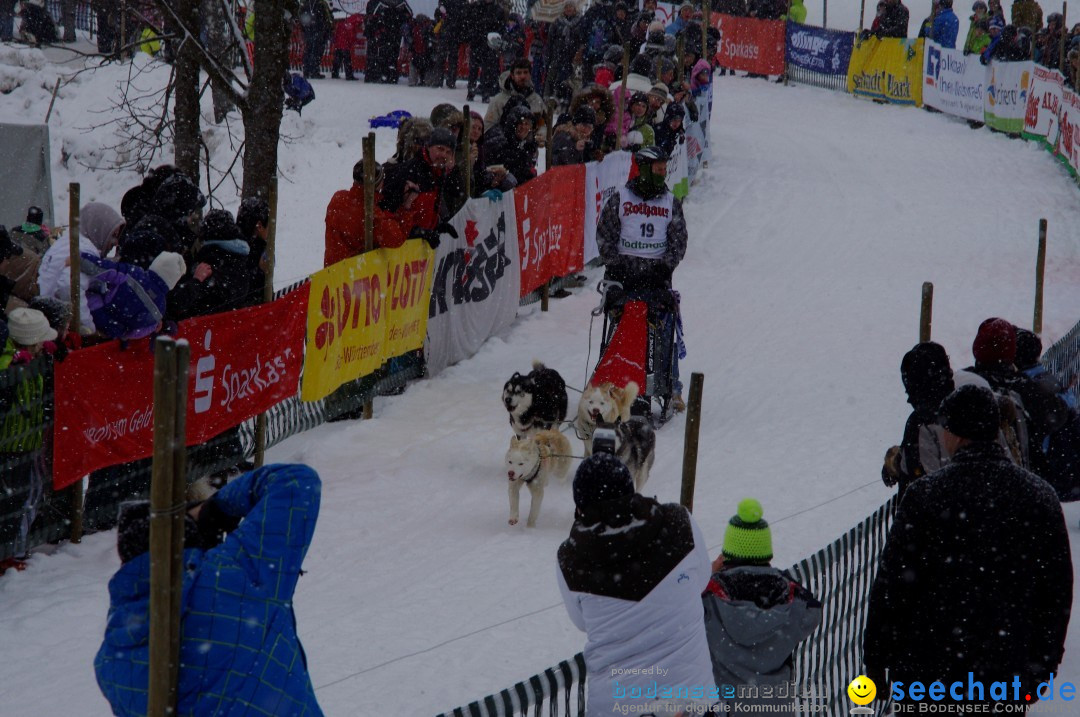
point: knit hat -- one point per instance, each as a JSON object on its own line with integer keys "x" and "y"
{"x": 971, "y": 412}
{"x": 34, "y": 215}
{"x": 601, "y": 477}
{"x": 926, "y": 374}
{"x": 133, "y": 530}
{"x": 660, "y": 90}
{"x": 358, "y": 172}
{"x": 748, "y": 536}
{"x": 169, "y": 266}
{"x": 584, "y": 115}
{"x": 1028, "y": 349}
{"x": 99, "y": 223}
{"x": 442, "y": 137}
{"x": 995, "y": 343}
{"x": 218, "y": 225}
{"x": 177, "y": 197}
{"x": 57, "y": 313}
{"x": 29, "y": 326}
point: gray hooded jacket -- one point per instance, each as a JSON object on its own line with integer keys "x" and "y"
{"x": 755, "y": 617}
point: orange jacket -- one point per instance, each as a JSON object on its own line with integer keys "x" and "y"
{"x": 345, "y": 226}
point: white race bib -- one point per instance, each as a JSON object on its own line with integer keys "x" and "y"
{"x": 644, "y": 224}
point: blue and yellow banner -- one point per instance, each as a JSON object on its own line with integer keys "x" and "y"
{"x": 887, "y": 69}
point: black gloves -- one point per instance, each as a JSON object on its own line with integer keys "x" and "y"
{"x": 214, "y": 524}
{"x": 431, "y": 236}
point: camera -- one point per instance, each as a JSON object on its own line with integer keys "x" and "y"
{"x": 603, "y": 439}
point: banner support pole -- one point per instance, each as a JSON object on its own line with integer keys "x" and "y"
{"x": 369, "y": 220}
{"x": 161, "y": 696}
{"x": 1040, "y": 270}
{"x": 926, "y": 314}
{"x": 75, "y": 277}
{"x": 690, "y": 441}
{"x": 466, "y": 144}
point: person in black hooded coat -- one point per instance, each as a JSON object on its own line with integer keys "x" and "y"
{"x": 168, "y": 225}
{"x": 253, "y": 219}
{"x": 975, "y": 581}
{"x": 220, "y": 278}
{"x": 512, "y": 144}
{"x": 928, "y": 379}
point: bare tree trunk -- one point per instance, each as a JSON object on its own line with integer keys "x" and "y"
{"x": 217, "y": 43}
{"x": 67, "y": 18}
{"x": 186, "y": 126}
{"x": 263, "y": 107}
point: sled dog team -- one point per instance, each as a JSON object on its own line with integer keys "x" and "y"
{"x": 539, "y": 451}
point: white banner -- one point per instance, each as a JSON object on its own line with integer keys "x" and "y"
{"x": 678, "y": 181}
{"x": 1069, "y": 140}
{"x": 697, "y": 135}
{"x": 1006, "y": 95}
{"x": 954, "y": 82}
{"x": 1044, "y": 105}
{"x": 476, "y": 286}
{"x": 602, "y": 179}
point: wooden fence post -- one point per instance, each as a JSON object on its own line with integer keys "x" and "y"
{"x": 466, "y": 143}
{"x": 926, "y": 314}
{"x": 74, "y": 204}
{"x": 690, "y": 441}
{"x": 369, "y": 219}
{"x": 267, "y": 297}
{"x": 1040, "y": 270}
{"x": 166, "y": 522}
{"x": 622, "y": 104}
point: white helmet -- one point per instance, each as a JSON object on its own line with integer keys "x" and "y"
{"x": 495, "y": 41}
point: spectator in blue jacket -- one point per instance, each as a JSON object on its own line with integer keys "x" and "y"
{"x": 239, "y": 650}
{"x": 946, "y": 26}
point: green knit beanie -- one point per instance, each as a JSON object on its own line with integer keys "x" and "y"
{"x": 748, "y": 537}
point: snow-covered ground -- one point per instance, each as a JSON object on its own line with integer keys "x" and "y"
{"x": 819, "y": 219}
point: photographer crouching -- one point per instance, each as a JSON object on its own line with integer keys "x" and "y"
{"x": 239, "y": 651}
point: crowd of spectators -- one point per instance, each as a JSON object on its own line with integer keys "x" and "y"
{"x": 156, "y": 261}
{"x": 485, "y": 41}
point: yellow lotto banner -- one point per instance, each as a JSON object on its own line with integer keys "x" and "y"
{"x": 364, "y": 310}
{"x": 889, "y": 69}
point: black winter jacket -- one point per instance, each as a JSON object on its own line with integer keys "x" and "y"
{"x": 153, "y": 235}
{"x": 976, "y": 575}
{"x": 227, "y": 287}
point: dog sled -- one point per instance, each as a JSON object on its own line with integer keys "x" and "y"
{"x": 639, "y": 343}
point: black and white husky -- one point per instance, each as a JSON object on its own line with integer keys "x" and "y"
{"x": 535, "y": 402}
{"x": 635, "y": 446}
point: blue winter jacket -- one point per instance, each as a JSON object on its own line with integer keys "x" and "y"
{"x": 239, "y": 652}
{"x": 946, "y": 26}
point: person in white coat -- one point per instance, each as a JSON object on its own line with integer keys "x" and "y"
{"x": 631, "y": 574}
{"x": 100, "y": 227}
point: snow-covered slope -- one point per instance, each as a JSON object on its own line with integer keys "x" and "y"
{"x": 819, "y": 219}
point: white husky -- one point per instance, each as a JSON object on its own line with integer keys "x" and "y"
{"x": 531, "y": 461}
{"x": 603, "y": 402}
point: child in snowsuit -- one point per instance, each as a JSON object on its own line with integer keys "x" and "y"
{"x": 755, "y": 616}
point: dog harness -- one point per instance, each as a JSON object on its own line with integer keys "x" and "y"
{"x": 536, "y": 471}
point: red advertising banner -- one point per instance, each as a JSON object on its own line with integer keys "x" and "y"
{"x": 750, "y": 44}
{"x": 242, "y": 363}
{"x": 551, "y": 225}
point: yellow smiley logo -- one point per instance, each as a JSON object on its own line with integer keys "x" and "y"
{"x": 862, "y": 690}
